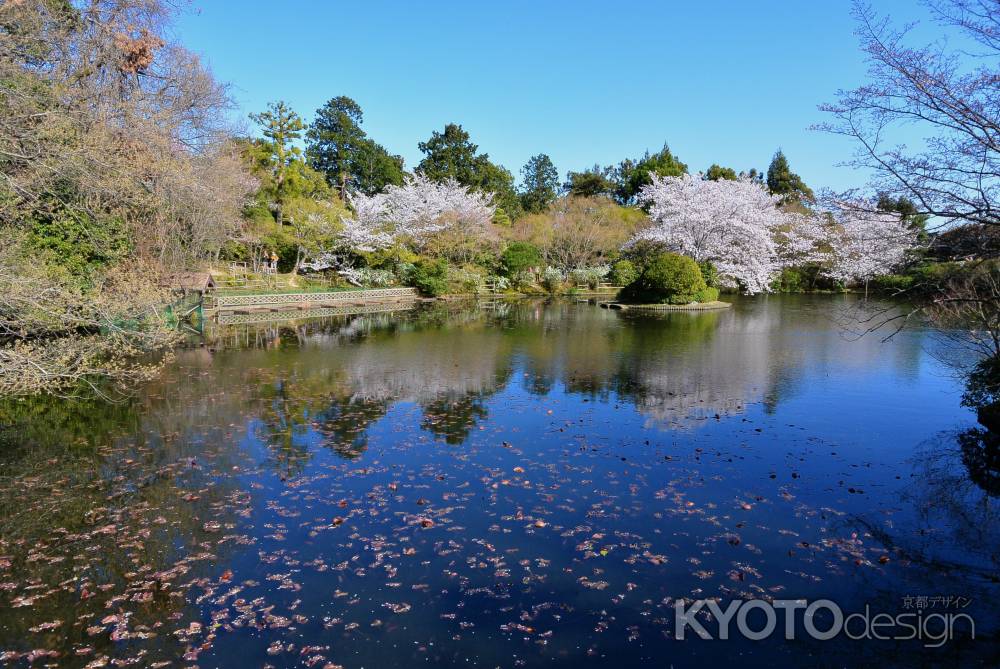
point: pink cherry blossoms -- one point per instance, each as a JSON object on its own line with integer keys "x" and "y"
{"x": 739, "y": 228}
{"x": 414, "y": 212}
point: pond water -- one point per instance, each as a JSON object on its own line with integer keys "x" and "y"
{"x": 501, "y": 485}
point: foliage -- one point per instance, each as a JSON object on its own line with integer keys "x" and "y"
{"x": 709, "y": 273}
{"x": 717, "y": 172}
{"x": 907, "y": 209}
{"x": 633, "y": 176}
{"x": 520, "y": 257}
{"x": 579, "y": 231}
{"x": 430, "y": 277}
{"x": 309, "y": 212}
{"x": 735, "y": 225}
{"x": 541, "y": 184}
{"x": 590, "y": 276}
{"x": 281, "y": 127}
{"x": 893, "y": 283}
{"x": 782, "y": 181}
{"x": 707, "y": 294}
{"x": 468, "y": 279}
{"x": 623, "y": 273}
{"x": 71, "y": 238}
{"x": 670, "y": 278}
{"x": 114, "y": 160}
{"x": 790, "y": 280}
{"x": 340, "y": 149}
{"x": 595, "y": 182}
{"x": 452, "y": 155}
{"x": 553, "y": 279}
{"x": 56, "y": 334}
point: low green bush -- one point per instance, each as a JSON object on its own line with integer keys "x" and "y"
{"x": 469, "y": 279}
{"x": 668, "y": 278}
{"x": 893, "y": 283}
{"x": 520, "y": 258}
{"x": 709, "y": 294}
{"x": 789, "y": 281}
{"x": 709, "y": 273}
{"x": 623, "y": 273}
{"x": 430, "y": 277}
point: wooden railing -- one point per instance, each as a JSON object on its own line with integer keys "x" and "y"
{"x": 229, "y": 302}
{"x": 249, "y": 316}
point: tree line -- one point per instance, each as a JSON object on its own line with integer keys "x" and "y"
{"x": 119, "y": 169}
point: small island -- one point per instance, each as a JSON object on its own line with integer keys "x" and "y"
{"x": 670, "y": 282}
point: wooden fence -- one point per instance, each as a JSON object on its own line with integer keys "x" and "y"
{"x": 265, "y": 300}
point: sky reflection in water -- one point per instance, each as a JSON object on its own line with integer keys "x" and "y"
{"x": 520, "y": 484}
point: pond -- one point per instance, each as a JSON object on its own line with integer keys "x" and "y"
{"x": 503, "y": 484}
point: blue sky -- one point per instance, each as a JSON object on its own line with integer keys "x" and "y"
{"x": 586, "y": 82}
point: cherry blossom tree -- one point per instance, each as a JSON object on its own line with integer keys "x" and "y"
{"x": 865, "y": 243}
{"x": 416, "y": 212}
{"x": 735, "y": 225}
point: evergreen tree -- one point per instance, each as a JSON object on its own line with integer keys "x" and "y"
{"x": 631, "y": 175}
{"x": 906, "y": 208}
{"x": 541, "y": 183}
{"x": 338, "y": 147}
{"x": 782, "y": 181}
{"x": 281, "y": 126}
{"x": 452, "y": 154}
{"x": 595, "y": 182}
{"x": 718, "y": 172}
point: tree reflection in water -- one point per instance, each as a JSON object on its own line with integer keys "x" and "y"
{"x": 582, "y": 444}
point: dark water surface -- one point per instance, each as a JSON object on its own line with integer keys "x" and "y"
{"x": 521, "y": 484}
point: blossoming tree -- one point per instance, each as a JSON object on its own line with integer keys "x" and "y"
{"x": 414, "y": 213}
{"x": 735, "y": 225}
{"x": 866, "y": 243}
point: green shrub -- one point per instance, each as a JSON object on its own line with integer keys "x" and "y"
{"x": 709, "y": 294}
{"x": 520, "y": 257}
{"x": 893, "y": 283}
{"x": 430, "y": 277}
{"x": 709, "y": 273}
{"x": 669, "y": 278}
{"x": 468, "y": 279}
{"x": 789, "y": 281}
{"x": 623, "y": 273}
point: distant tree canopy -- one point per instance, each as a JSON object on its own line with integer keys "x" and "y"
{"x": 717, "y": 172}
{"x": 633, "y": 175}
{"x": 624, "y": 181}
{"x": 782, "y": 181}
{"x": 338, "y": 147}
{"x": 541, "y": 184}
{"x": 595, "y": 182}
{"x": 906, "y": 208}
{"x": 452, "y": 154}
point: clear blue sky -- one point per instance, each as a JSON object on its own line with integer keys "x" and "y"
{"x": 586, "y": 82}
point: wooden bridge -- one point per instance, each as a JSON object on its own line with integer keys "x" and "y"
{"x": 259, "y": 316}
{"x": 262, "y": 307}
